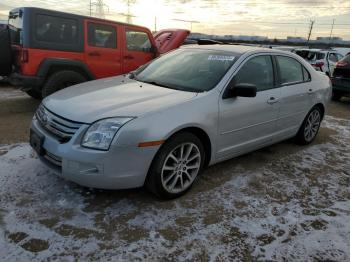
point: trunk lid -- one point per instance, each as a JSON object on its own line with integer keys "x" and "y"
{"x": 169, "y": 39}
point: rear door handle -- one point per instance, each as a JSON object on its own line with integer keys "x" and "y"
{"x": 310, "y": 91}
{"x": 128, "y": 57}
{"x": 95, "y": 53}
{"x": 272, "y": 100}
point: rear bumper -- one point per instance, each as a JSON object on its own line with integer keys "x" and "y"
{"x": 341, "y": 85}
{"x": 26, "y": 82}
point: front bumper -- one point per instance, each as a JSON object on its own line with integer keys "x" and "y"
{"x": 118, "y": 168}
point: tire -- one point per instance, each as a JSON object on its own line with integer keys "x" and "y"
{"x": 61, "y": 80}
{"x": 5, "y": 53}
{"x": 310, "y": 127}
{"x": 165, "y": 172}
{"x": 336, "y": 96}
{"x": 34, "y": 94}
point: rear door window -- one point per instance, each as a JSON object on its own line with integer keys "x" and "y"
{"x": 257, "y": 71}
{"x": 137, "y": 41}
{"x": 291, "y": 71}
{"x": 58, "y": 30}
{"x": 101, "y": 35}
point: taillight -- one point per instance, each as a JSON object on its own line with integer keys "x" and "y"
{"x": 342, "y": 64}
{"x": 24, "y": 56}
{"x": 319, "y": 64}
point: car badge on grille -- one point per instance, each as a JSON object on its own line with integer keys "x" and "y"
{"x": 44, "y": 118}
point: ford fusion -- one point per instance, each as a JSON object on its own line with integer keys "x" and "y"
{"x": 162, "y": 124}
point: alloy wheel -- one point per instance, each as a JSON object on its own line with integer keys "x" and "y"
{"x": 181, "y": 167}
{"x": 312, "y": 125}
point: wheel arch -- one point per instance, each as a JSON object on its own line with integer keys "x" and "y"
{"x": 322, "y": 107}
{"x": 52, "y": 65}
{"x": 203, "y": 137}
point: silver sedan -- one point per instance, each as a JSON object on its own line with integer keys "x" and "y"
{"x": 162, "y": 124}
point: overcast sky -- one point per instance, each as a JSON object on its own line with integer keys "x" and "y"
{"x": 273, "y": 18}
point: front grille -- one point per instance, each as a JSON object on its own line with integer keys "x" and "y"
{"x": 58, "y": 126}
{"x": 56, "y": 160}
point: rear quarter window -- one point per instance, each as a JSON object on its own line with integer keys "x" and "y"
{"x": 291, "y": 71}
{"x": 58, "y": 30}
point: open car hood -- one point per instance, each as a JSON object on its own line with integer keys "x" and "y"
{"x": 169, "y": 39}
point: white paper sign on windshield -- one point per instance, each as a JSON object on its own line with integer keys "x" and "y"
{"x": 221, "y": 58}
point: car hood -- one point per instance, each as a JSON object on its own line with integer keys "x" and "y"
{"x": 112, "y": 97}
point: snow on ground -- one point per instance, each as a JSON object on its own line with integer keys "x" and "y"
{"x": 10, "y": 92}
{"x": 293, "y": 207}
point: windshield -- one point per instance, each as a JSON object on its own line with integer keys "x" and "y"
{"x": 192, "y": 70}
{"x": 16, "y": 26}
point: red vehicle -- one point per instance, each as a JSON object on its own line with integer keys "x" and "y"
{"x": 44, "y": 51}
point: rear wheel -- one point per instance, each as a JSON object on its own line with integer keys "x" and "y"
{"x": 336, "y": 96}
{"x": 5, "y": 53}
{"x": 61, "y": 80}
{"x": 176, "y": 166}
{"x": 309, "y": 129}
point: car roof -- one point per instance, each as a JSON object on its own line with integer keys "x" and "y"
{"x": 238, "y": 49}
{"x": 51, "y": 11}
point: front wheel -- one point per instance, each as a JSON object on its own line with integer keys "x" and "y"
{"x": 310, "y": 127}
{"x": 176, "y": 166}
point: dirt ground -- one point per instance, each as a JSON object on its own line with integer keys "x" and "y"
{"x": 282, "y": 203}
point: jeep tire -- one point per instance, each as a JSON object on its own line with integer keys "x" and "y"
{"x": 34, "y": 94}
{"x": 5, "y": 53}
{"x": 61, "y": 80}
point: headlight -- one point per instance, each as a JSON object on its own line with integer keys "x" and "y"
{"x": 101, "y": 133}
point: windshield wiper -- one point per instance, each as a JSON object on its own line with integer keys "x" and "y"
{"x": 156, "y": 84}
{"x": 186, "y": 89}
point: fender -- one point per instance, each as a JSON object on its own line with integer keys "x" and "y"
{"x": 65, "y": 63}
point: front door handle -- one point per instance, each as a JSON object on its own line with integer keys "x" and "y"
{"x": 95, "y": 53}
{"x": 272, "y": 100}
{"x": 128, "y": 57}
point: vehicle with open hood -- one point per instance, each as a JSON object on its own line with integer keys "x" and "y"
{"x": 44, "y": 51}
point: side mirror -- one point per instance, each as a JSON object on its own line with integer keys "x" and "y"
{"x": 244, "y": 90}
{"x": 154, "y": 51}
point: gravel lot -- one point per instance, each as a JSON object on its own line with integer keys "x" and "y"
{"x": 285, "y": 202}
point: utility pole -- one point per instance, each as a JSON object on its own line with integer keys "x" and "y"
{"x": 312, "y": 22}
{"x": 187, "y": 21}
{"x": 155, "y": 24}
{"x": 129, "y": 16}
{"x": 99, "y": 5}
{"x": 330, "y": 36}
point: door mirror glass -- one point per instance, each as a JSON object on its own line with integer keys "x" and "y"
{"x": 244, "y": 90}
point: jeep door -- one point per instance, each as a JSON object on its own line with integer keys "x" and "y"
{"x": 103, "y": 48}
{"x": 247, "y": 123}
{"x": 138, "y": 48}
